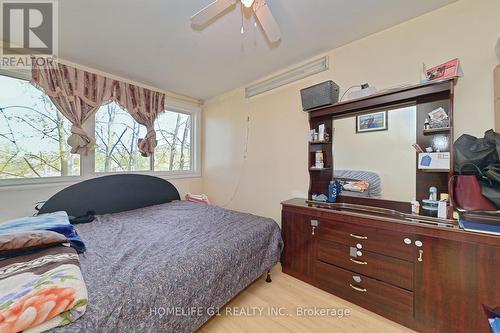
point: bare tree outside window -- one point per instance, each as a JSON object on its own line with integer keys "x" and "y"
{"x": 33, "y": 138}
{"x": 117, "y": 134}
{"x": 33, "y": 134}
{"x": 173, "y": 131}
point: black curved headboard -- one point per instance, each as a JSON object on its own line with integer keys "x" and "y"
{"x": 112, "y": 194}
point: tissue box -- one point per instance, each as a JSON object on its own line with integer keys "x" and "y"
{"x": 434, "y": 161}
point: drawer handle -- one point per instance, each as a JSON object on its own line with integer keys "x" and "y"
{"x": 363, "y": 290}
{"x": 358, "y": 236}
{"x": 420, "y": 254}
{"x": 359, "y": 262}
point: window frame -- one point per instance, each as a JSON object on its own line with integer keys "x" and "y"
{"x": 87, "y": 163}
{"x": 179, "y": 107}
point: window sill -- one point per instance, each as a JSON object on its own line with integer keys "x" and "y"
{"x": 51, "y": 182}
{"x": 36, "y": 183}
{"x": 160, "y": 174}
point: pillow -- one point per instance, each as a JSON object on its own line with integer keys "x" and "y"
{"x": 356, "y": 186}
{"x": 197, "y": 198}
{"x": 57, "y": 222}
{"x": 21, "y": 242}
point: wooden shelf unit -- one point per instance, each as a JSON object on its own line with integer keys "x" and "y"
{"x": 320, "y": 142}
{"x": 435, "y": 170}
{"x": 427, "y": 97}
{"x": 322, "y": 177}
{"x": 432, "y": 131}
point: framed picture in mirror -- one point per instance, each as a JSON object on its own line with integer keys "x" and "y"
{"x": 370, "y": 122}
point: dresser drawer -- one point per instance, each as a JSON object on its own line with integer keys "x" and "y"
{"x": 389, "y": 301}
{"x": 381, "y": 267}
{"x": 370, "y": 239}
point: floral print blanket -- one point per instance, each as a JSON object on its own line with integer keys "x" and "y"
{"x": 41, "y": 290}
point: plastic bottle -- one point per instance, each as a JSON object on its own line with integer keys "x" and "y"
{"x": 332, "y": 192}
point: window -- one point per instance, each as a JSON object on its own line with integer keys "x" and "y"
{"x": 173, "y": 132}
{"x": 33, "y": 134}
{"x": 117, "y": 133}
{"x": 34, "y": 149}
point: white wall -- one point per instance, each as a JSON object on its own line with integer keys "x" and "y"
{"x": 388, "y": 153}
{"x": 276, "y": 166}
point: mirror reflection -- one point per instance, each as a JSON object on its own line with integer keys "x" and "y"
{"x": 373, "y": 154}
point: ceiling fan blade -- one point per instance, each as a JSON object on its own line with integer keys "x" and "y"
{"x": 267, "y": 21}
{"x": 211, "y": 11}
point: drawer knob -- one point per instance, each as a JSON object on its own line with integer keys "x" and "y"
{"x": 359, "y": 246}
{"x": 359, "y": 253}
{"x": 363, "y": 290}
{"x": 407, "y": 241}
{"x": 358, "y": 236}
{"x": 418, "y": 243}
{"x": 359, "y": 262}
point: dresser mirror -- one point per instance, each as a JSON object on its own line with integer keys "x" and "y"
{"x": 376, "y": 147}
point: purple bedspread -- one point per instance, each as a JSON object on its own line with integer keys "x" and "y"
{"x": 167, "y": 268}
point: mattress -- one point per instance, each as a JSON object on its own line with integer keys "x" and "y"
{"x": 169, "y": 268}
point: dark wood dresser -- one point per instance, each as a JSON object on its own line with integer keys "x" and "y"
{"x": 426, "y": 277}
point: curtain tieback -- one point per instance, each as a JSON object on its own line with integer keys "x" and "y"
{"x": 148, "y": 144}
{"x": 79, "y": 141}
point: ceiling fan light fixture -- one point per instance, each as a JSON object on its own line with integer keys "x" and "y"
{"x": 247, "y": 3}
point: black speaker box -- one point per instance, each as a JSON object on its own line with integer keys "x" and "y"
{"x": 321, "y": 94}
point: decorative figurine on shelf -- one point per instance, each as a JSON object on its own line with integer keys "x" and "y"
{"x": 427, "y": 124}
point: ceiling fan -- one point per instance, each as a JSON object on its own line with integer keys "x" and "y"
{"x": 260, "y": 8}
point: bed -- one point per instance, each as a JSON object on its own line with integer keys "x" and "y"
{"x": 373, "y": 178}
{"x": 166, "y": 265}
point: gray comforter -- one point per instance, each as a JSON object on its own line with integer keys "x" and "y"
{"x": 167, "y": 268}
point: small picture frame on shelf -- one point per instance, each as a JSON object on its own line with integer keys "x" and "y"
{"x": 371, "y": 122}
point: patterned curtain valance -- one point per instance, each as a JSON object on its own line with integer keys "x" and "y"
{"x": 78, "y": 94}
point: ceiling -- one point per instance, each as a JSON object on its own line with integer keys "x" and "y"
{"x": 152, "y": 41}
